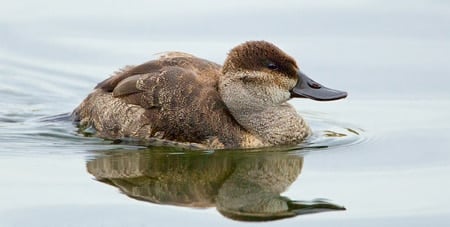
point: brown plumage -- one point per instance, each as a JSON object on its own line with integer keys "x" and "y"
{"x": 181, "y": 99}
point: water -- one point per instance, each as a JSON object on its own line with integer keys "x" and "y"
{"x": 382, "y": 153}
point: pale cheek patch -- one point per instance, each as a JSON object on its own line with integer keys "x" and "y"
{"x": 280, "y": 96}
{"x": 281, "y": 89}
{"x": 288, "y": 83}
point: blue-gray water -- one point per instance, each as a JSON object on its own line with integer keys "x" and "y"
{"x": 391, "y": 57}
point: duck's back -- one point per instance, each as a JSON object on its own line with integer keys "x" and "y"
{"x": 174, "y": 98}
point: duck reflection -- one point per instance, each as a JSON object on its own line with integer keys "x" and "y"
{"x": 242, "y": 186}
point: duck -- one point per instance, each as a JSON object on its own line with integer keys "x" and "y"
{"x": 183, "y": 100}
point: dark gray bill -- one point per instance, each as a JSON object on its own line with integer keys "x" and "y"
{"x": 308, "y": 88}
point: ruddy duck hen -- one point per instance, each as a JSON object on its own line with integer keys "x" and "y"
{"x": 185, "y": 100}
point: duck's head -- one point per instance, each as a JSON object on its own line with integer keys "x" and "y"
{"x": 260, "y": 74}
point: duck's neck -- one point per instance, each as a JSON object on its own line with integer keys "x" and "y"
{"x": 275, "y": 125}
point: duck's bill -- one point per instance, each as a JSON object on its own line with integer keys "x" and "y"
{"x": 308, "y": 88}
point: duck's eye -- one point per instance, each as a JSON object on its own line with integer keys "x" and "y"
{"x": 272, "y": 66}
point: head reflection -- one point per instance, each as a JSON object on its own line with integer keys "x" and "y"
{"x": 242, "y": 186}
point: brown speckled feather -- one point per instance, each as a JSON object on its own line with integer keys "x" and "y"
{"x": 174, "y": 98}
{"x": 206, "y": 71}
